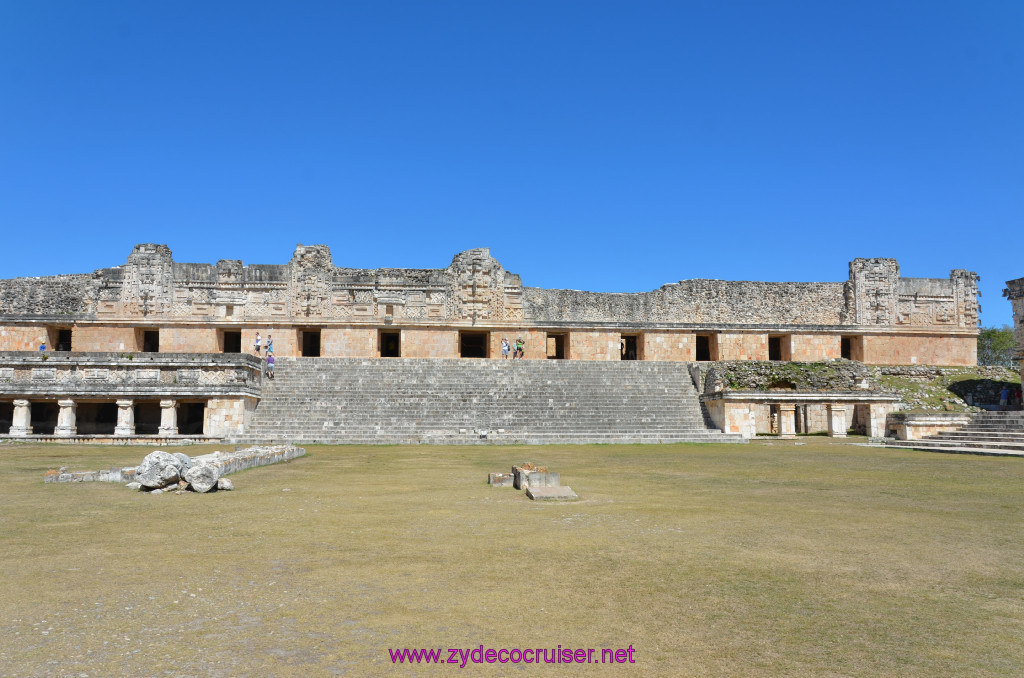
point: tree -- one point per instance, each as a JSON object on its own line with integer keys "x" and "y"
{"x": 997, "y": 346}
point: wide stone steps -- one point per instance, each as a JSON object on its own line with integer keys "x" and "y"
{"x": 988, "y": 433}
{"x": 398, "y": 401}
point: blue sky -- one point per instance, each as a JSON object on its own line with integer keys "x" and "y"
{"x": 591, "y": 145}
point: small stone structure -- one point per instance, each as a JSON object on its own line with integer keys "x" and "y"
{"x": 790, "y": 398}
{"x": 538, "y": 481}
{"x": 121, "y": 396}
{"x": 154, "y": 472}
{"x": 918, "y": 425}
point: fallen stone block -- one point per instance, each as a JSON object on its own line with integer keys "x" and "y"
{"x": 202, "y": 476}
{"x": 225, "y": 484}
{"x": 134, "y": 486}
{"x": 500, "y": 479}
{"x": 543, "y": 479}
{"x": 158, "y": 469}
{"x": 560, "y": 493}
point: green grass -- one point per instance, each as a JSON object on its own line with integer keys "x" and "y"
{"x": 770, "y": 559}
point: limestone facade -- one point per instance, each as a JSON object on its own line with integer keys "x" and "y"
{"x": 1015, "y": 292}
{"x": 313, "y": 308}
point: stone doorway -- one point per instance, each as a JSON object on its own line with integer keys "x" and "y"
{"x": 151, "y": 341}
{"x": 310, "y": 343}
{"x": 63, "y": 342}
{"x": 628, "y": 347}
{"x": 706, "y": 347}
{"x": 556, "y": 346}
{"x": 232, "y": 341}
{"x": 851, "y": 348}
{"x": 390, "y": 344}
{"x": 474, "y": 344}
{"x": 780, "y": 347}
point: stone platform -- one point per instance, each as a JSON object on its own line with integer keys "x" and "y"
{"x": 559, "y": 493}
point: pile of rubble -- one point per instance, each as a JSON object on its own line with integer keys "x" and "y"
{"x": 538, "y": 481}
{"x": 166, "y": 472}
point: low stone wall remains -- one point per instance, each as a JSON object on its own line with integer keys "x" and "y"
{"x": 226, "y": 462}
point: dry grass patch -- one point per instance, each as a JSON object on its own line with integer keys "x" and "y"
{"x": 720, "y": 560}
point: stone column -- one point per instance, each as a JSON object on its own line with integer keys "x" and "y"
{"x": 877, "y": 412}
{"x": 787, "y": 420}
{"x": 21, "y": 424}
{"x": 66, "y": 419}
{"x": 168, "y": 418}
{"x": 836, "y": 420}
{"x": 125, "y": 418}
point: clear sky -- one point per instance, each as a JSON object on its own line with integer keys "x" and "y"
{"x": 591, "y": 145}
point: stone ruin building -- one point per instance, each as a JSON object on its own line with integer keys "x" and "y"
{"x": 155, "y": 347}
{"x": 1015, "y": 293}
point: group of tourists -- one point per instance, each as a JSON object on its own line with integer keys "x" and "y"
{"x": 517, "y": 351}
{"x": 270, "y": 352}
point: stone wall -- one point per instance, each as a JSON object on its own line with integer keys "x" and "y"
{"x": 474, "y": 290}
{"x": 699, "y": 302}
{"x": 892, "y": 319}
{"x": 920, "y": 349}
{"x": 101, "y": 375}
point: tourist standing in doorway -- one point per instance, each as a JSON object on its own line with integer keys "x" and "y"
{"x": 519, "y": 348}
{"x": 504, "y": 348}
{"x": 256, "y": 344}
{"x": 1004, "y": 397}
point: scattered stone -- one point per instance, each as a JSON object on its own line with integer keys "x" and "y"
{"x": 157, "y": 470}
{"x": 500, "y": 479}
{"x": 202, "y": 476}
{"x": 156, "y": 492}
{"x": 560, "y": 493}
{"x": 543, "y": 479}
{"x": 134, "y": 486}
{"x": 225, "y": 484}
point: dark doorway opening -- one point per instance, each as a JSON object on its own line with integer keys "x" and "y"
{"x": 44, "y": 418}
{"x": 151, "y": 341}
{"x": 703, "y": 348}
{"x": 310, "y": 343}
{"x": 147, "y": 418}
{"x": 774, "y": 348}
{"x": 63, "y": 340}
{"x": 556, "y": 346}
{"x": 852, "y": 348}
{"x": 473, "y": 344}
{"x": 190, "y": 418}
{"x": 232, "y": 341}
{"x": 390, "y": 344}
{"x": 96, "y": 419}
{"x": 627, "y": 347}
{"x": 6, "y": 417}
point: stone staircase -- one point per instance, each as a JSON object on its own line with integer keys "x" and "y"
{"x": 992, "y": 433}
{"x": 404, "y": 400}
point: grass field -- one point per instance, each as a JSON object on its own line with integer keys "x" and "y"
{"x": 768, "y": 559}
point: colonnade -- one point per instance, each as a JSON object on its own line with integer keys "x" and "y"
{"x": 67, "y": 419}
